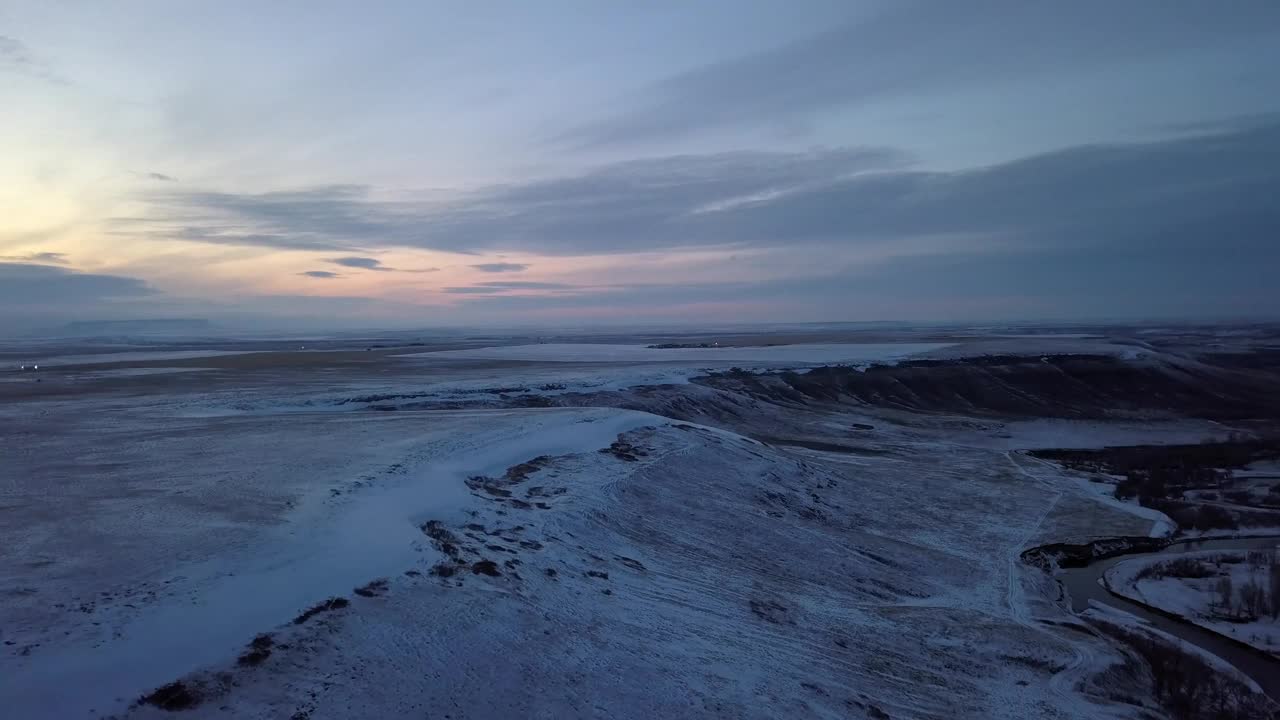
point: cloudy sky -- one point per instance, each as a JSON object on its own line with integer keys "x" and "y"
{"x": 443, "y": 163}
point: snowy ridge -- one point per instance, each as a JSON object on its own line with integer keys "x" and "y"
{"x": 329, "y": 551}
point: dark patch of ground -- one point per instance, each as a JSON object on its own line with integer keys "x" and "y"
{"x": 259, "y": 650}
{"x": 630, "y": 562}
{"x": 1190, "y": 457}
{"x": 1056, "y": 386}
{"x": 444, "y": 569}
{"x": 443, "y": 540}
{"x": 172, "y": 697}
{"x": 333, "y": 603}
{"x": 518, "y": 473}
{"x": 772, "y": 611}
{"x": 373, "y": 589}
{"x": 1069, "y": 555}
{"x": 822, "y": 446}
{"x": 499, "y": 489}
{"x": 624, "y": 450}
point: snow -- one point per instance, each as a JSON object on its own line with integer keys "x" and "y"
{"x": 713, "y": 606}
{"x": 1115, "y": 616}
{"x": 229, "y": 599}
{"x": 143, "y": 355}
{"x": 137, "y": 372}
{"x": 1041, "y": 345}
{"x": 1242, "y": 532}
{"x": 563, "y": 378}
{"x": 800, "y": 354}
{"x": 1192, "y": 598}
{"x": 1058, "y": 433}
{"x": 592, "y": 367}
{"x": 1047, "y": 335}
{"x": 174, "y": 524}
{"x": 1104, "y": 493}
{"x": 205, "y": 535}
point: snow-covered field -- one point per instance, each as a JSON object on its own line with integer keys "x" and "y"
{"x": 779, "y": 355}
{"x": 126, "y": 356}
{"x": 1201, "y": 599}
{"x": 496, "y": 561}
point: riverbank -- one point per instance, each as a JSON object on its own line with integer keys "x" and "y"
{"x": 1084, "y": 586}
{"x": 1230, "y": 593}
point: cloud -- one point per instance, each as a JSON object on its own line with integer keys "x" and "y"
{"x": 236, "y": 235}
{"x": 469, "y": 290}
{"x": 13, "y": 53}
{"x": 22, "y": 284}
{"x": 1063, "y": 283}
{"x": 616, "y": 208}
{"x": 1199, "y": 191}
{"x": 492, "y": 288}
{"x": 323, "y": 274}
{"x": 526, "y": 285}
{"x": 917, "y": 47}
{"x": 16, "y": 58}
{"x": 330, "y": 217}
{"x": 364, "y": 263}
{"x": 38, "y": 257}
{"x": 1172, "y": 198}
{"x": 501, "y": 267}
{"x": 161, "y": 177}
{"x": 368, "y": 263}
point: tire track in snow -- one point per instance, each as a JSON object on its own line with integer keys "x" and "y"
{"x": 1063, "y": 682}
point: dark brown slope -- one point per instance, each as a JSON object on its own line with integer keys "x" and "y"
{"x": 1063, "y": 386}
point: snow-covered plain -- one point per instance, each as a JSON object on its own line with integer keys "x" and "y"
{"x": 127, "y": 356}
{"x": 638, "y": 567}
{"x": 801, "y": 354}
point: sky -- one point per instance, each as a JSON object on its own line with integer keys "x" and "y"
{"x": 414, "y": 164}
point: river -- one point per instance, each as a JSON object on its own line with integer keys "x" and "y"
{"x": 1083, "y": 586}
